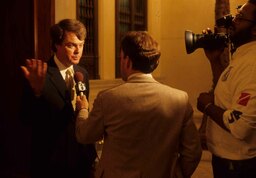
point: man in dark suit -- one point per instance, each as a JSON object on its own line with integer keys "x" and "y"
{"x": 147, "y": 126}
{"x": 47, "y": 106}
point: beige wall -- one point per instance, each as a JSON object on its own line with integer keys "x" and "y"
{"x": 167, "y": 22}
{"x": 107, "y": 39}
{"x": 235, "y": 3}
{"x": 65, "y": 9}
{"x": 189, "y": 72}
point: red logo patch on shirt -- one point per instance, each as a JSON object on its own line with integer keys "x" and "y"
{"x": 244, "y": 98}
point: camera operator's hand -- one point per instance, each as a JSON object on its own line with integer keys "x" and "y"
{"x": 215, "y": 57}
{"x": 213, "y": 54}
{"x": 204, "y": 100}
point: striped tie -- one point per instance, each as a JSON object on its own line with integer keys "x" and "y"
{"x": 71, "y": 87}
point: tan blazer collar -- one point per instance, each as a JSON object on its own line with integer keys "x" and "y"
{"x": 139, "y": 74}
{"x": 140, "y": 77}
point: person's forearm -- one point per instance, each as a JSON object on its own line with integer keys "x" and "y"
{"x": 216, "y": 114}
{"x": 217, "y": 69}
{"x": 82, "y": 116}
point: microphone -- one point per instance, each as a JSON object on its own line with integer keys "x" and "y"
{"x": 80, "y": 85}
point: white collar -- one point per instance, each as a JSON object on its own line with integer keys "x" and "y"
{"x": 244, "y": 48}
{"x": 62, "y": 68}
{"x": 139, "y": 74}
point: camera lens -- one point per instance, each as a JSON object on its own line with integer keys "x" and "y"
{"x": 207, "y": 41}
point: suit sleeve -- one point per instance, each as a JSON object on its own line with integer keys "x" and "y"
{"x": 32, "y": 107}
{"x": 90, "y": 127}
{"x": 87, "y": 84}
{"x": 190, "y": 147}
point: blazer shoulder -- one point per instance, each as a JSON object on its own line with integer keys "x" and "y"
{"x": 113, "y": 89}
{"x": 177, "y": 91}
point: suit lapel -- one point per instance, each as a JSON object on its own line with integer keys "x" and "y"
{"x": 56, "y": 79}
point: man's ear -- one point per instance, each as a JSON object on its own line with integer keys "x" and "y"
{"x": 253, "y": 30}
{"x": 56, "y": 46}
{"x": 129, "y": 62}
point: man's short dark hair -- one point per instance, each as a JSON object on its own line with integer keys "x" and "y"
{"x": 142, "y": 49}
{"x": 58, "y": 30}
{"x": 252, "y": 1}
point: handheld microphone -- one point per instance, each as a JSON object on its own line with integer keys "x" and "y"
{"x": 80, "y": 85}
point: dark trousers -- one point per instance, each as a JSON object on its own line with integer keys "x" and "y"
{"x": 225, "y": 168}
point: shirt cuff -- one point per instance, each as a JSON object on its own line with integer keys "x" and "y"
{"x": 83, "y": 114}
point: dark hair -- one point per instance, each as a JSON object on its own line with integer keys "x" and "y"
{"x": 254, "y": 12}
{"x": 142, "y": 49}
{"x": 252, "y": 1}
{"x": 58, "y": 30}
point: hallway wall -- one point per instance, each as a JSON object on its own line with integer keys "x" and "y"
{"x": 189, "y": 72}
{"x": 167, "y": 22}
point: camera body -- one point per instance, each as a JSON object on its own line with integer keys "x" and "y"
{"x": 208, "y": 41}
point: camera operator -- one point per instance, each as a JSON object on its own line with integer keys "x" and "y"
{"x": 231, "y": 127}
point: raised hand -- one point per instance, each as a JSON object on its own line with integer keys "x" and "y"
{"x": 35, "y": 72}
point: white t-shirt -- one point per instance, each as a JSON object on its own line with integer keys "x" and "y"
{"x": 236, "y": 93}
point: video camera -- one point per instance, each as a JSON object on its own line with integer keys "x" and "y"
{"x": 208, "y": 41}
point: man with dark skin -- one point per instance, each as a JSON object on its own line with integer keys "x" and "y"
{"x": 231, "y": 127}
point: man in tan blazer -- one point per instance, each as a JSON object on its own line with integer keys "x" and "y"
{"x": 147, "y": 126}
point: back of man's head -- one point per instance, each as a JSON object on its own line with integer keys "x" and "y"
{"x": 142, "y": 49}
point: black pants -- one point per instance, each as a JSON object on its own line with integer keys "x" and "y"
{"x": 225, "y": 168}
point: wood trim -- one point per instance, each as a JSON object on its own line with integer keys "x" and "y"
{"x": 90, "y": 55}
{"x": 35, "y": 29}
{"x": 43, "y": 20}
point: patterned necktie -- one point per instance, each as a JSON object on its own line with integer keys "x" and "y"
{"x": 71, "y": 87}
